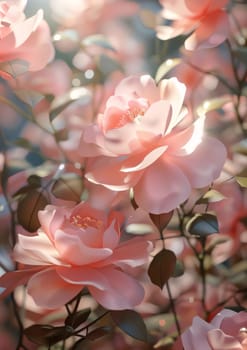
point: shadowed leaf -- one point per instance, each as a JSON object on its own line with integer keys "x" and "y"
{"x": 131, "y": 323}
{"x": 203, "y": 225}
{"x": 75, "y": 320}
{"x": 98, "y": 333}
{"x": 45, "y": 334}
{"x": 211, "y": 196}
{"x": 162, "y": 267}
{"x": 61, "y": 102}
{"x": 242, "y": 178}
{"x": 165, "y": 67}
{"x": 68, "y": 187}
{"x": 28, "y": 208}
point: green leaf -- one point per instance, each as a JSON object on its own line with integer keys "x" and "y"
{"x": 240, "y": 147}
{"x": 242, "y": 178}
{"x": 68, "y": 187}
{"x": 164, "y": 343}
{"x": 108, "y": 65}
{"x": 203, "y": 225}
{"x": 165, "y": 67}
{"x": 98, "y": 40}
{"x": 28, "y": 208}
{"x": 14, "y": 68}
{"x": 179, "y": 269}
{"x": 211, "y": 196}
{"x": 162, "y": 267}
{"x": 21, "y": 142}
{"x": 131, "y": 323}
{"x": 213, "y": 104}
{"x": 61, "y": 102}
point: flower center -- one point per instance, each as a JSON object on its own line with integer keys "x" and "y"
{"x": 85, "y": 222}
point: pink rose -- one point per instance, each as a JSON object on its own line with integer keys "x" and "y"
{"x": 23, "y": 39}
{"x": 226, "y": 331}
{"x": 206, "y": 19}
{"x": 78, "y": 247}
{"x": 143, "y": 141}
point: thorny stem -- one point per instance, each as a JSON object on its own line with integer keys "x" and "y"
{"x": 93, "y": 322}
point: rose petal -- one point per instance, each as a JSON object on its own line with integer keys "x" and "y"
{"x": 123, "y": 291}
{"x": 73, "y": 250}
{"x": 162, "y": 188}
{"x": 213, "y": 30}
{"x": 218, "y": 340}
{"x": 50, "y": 291}
{"x": 203, "y": 165}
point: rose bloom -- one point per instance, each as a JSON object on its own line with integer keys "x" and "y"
{"x": 206, "y": 19}
{"x": 78, "y": 247}
{"x": 25, "y": 40}
{"x": 227, "y": 330}
{"x": 142, "y": 141}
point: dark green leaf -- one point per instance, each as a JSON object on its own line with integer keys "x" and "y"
{"x": 162, "y": 267}
{"x": 131, "y": 323}
{"x": 34, "y": 180}
{"x": 203, "y": 225}
{"x": 68, "y": 187}
{"x": 28, "y": 208}
{"x": 75, "y": 320}
{"x": 179, "y": 269}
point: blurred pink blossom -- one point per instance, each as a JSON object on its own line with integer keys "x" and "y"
{"x": 26, "y": 40}
{"x": 227, "y": 330}
{"x": 205, "y": 19}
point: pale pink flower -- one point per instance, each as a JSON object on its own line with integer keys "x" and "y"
{"x": 24, "y": 40}
{"x": 226, "y": 331}
{"x": 141, "y": 144}
{"x": 78, "y": 247}
{"x": 205, "y": 19}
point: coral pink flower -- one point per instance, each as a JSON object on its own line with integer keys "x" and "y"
{"x": 226, "y": 331}
{"x": 141, "y": 144}
{"x": 78, "y": 247}
{"x": 23, "y": 39}
{"x": 207, "y": 20}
